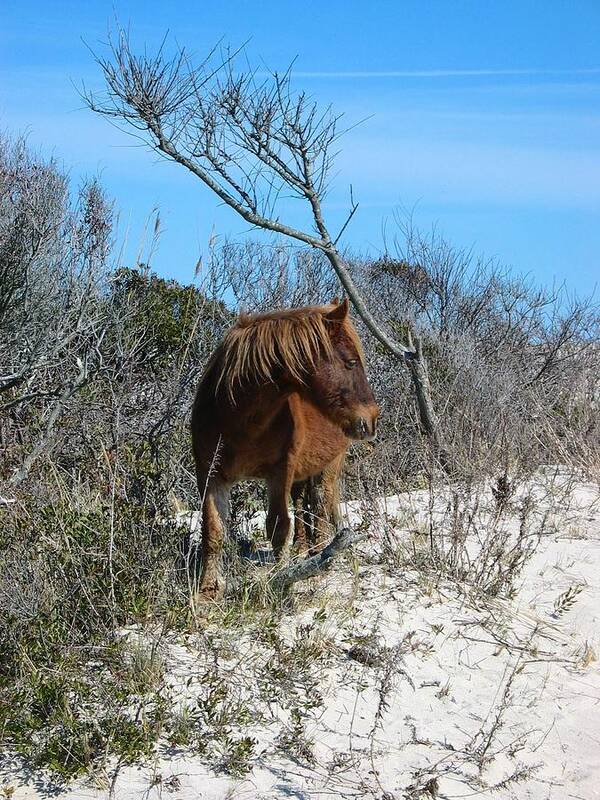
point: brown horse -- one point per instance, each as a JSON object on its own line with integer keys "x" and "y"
{"x": 280, "y": 400}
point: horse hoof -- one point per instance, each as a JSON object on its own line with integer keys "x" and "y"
{"x": 210, "y": 593}
{"x": 283, "y": 553}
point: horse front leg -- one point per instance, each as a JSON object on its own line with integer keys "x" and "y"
{"x": 328, "y": 521}
{"x": 279, "y": 524}
{"x": 322, "y": 505}
{"x": 214, "y": 520}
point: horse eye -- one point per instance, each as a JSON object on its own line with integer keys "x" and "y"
{"x": 351, "y": 363}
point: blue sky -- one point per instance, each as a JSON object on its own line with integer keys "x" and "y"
{"x": 483, "y": 117}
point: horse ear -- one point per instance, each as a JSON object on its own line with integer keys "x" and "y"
{"x": 340, "y": 312}
{"x": 335, "y": 301}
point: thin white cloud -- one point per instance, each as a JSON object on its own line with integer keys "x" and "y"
{"x": 446, "y": 73}
{"x": 472, "y": 171}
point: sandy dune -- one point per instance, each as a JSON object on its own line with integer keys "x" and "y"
{"x": 418, "y": 690}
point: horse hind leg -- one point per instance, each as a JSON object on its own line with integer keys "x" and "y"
{"x": 302, "y": 521}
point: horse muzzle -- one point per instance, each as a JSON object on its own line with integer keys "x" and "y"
{"x": 362, "y": 429}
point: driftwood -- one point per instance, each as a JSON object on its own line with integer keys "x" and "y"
{"x": 315, "y": 565}
{"x": 304, "y": 568}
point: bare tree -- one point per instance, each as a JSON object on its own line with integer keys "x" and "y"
{"x": 252, "y": 141}
{"x": 53, "y": 255}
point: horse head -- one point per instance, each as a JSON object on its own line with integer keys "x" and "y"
{"x": 338, "y": 382}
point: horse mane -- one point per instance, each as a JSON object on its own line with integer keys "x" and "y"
{"x": 259, "y": 345}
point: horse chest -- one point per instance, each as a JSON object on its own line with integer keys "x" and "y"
{"x": 317, "y": 441}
